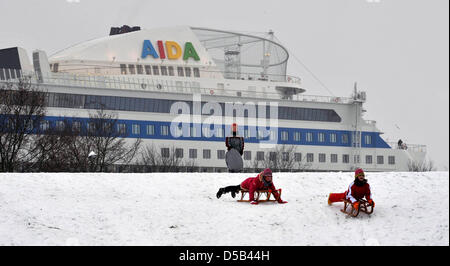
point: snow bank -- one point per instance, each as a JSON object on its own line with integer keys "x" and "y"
{"x": 181, "y": 209}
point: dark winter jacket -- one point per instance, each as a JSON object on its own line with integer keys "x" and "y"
{"x": 235, "y": 143}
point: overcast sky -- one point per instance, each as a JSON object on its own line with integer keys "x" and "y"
{"x": 397, "y": 50}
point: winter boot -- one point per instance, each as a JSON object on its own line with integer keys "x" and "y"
{"x": 220, "y": 192}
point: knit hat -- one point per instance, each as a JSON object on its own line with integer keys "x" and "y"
{"x": 267, "y": 172}
{"x": 359, "y": 172}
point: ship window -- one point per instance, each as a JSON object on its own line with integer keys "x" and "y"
{"x": 219, "y": 132}
{"x": 164, "y": 130}
{"x": 196, "y": 72}
{"x": 345, "y": 158}
{"x": 246, "y": 133}
{"x": 206, "y": 154}
{"x": 272, "y": 156}
{"x": 123, "y": 69}
{"x": 165, "y": 152}
{"x": 368, "y": 159}
{"x": 273, "y": 134}
{"x": 344, "y": 138}
{"x": 180, "y": 71}
{"x": 380, "y": 159}
{"x": 368, "y": 139}
{"x": 334, "y": 158}
{"x": 309, "y": 137}
{"x": 192, "y": 132}
{"x": 285, "y": 156}
{"x": 7, "y": 76}
{"x": 321, "y": 137}
{"x": 193, "y": 153}
{"x": 44, "y": 125}
{"x": 187, "y": 70}
{"x": 148, "y": 70}
{"x": 391, "y": 160}
{"x": 179, "y": 153}
{"x": 60, "y": 125}
{"x": 76, "y": 126}
{"x": 247, "y": 155}
{"x": 171, "y": 71}
{"x": 206, "y": 132}
{"x": 136, "y": 129}
{"x": 310, "y": 157}
{"x": 284, "y": 135}
{"x": 297, "y": 136}
{"x": 260, "y": 156}
{"x": 308, "y": 114}
{"x": 55, "y": 67}
{"x": 140, "y": 70}
{"x": 91, "y": 127}
{"x": 220, "y": 154}
{"x": 150, "y": 130}
{"x": 298, "y": 157}
{"x": 131, "y": 69}
{"x": 322, "y": 157}
{"x": 333, "y": 138}
{"x": 155, "y": 70}
{"x": 107, "y": 128}
{"x": 122, "y": 128}
{"x": 164, "y": 70}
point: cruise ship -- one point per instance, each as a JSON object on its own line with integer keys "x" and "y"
{"x": 184, "y": 87}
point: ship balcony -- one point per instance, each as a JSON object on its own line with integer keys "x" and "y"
{"x": 409, "y": 147}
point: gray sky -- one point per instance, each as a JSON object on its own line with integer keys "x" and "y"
{"x": 397, "y": 50}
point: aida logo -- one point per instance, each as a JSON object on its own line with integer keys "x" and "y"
{"x": 170, "y": 50}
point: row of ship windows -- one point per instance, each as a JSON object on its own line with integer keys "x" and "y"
{"x": 285, "y": 156}
{"x": 150, "y": 70}
{"x": 218, "y": 132}
{"x": 66, "y": 100}
{"x": 159, "y": 70}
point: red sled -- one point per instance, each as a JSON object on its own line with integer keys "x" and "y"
{"x": 364, "y": 206}
{"x": 258, "y": 194}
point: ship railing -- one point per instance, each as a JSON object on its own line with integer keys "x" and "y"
{"x": 258, "y": 77}
{"x": 154, "y": 84}
{"x": 408, "y": 147}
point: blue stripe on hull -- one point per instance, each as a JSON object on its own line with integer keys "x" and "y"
{"x": 377, "y": 141}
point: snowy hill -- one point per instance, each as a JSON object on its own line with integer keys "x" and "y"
{"x": 181, "y": 209}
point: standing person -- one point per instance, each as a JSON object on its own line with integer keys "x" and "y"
{"x": 357, "y": 190}
{"x": 400, "y": 144}
{"x": 235, "y": 149}
{"x": 262, "y": 181}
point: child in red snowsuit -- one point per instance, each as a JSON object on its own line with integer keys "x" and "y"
{"x": 357, "y": 190}
{"x": 262, "y": 181}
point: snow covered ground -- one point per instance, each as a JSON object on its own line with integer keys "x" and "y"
{"x": 181, "y": 209}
